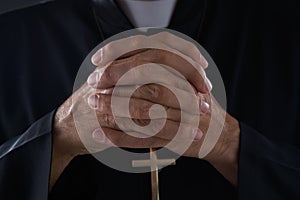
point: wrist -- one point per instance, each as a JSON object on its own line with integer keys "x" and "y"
{"x": 60, "y": 159}
{"x": 224, "y": 156}
{"x": 64, "y": 134}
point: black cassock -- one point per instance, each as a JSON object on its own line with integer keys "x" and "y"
{"x": 255, "y": 44}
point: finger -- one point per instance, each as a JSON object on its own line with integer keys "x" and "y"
{"x": 136, "y": 108}
{"x": 170, "y": 130}
{"x": 184, "y": 46}
{"x": 109, "y": 76}
{"x": 205, "y": 100}
{"x": 129, "y": 54}
{"x": 113, "y": 50}
{"x": 143, "y": 109}
{"x": 162, "y": 128}
{"x": 167, "y": 96}
{"x": 120, "y": 139}
{"x": 194, "y": 73}
{"x": 179, "y": 70}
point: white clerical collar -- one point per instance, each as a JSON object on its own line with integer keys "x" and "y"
{"x": 148, "y": 13}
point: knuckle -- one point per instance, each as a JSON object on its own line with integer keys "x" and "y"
{"x": 174, "y": 114}
{"x": 192, "y": 47}
{"x": 135, "y": 60}
{"x": 141, "y": 122}
{"x": 117, "y": 140}
{"x": 137, "y": 111}
{"x": 143, "y": 109}
{"x": 145, "y": 142}
{"x": 104, "y": 100}
{"x": 107, "y": 100}
{"x": 107, "y": 75}
{"x": 103, "y": 103}
{"x": 153, "y": 91}
{"x": 108, "y": 46}
{"x": 162, "y": 55}
{"x": 191, "y": 119}
{"x": 193, "y": 76}
{"x": 136, "y": 41}
{"x": 156, "y": 55}
{"x": 196, "y": 77}
{"x": 133, "y": 111}
{"x": 110, "y": 72}
{"x": 134, "y": 57}
{"x": 109, "y": 120}
{"x": 166, "y": 35}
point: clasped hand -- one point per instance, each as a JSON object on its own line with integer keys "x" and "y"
{"x": 87, "y": 118}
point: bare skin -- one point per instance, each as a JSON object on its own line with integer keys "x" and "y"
{"x": 67, "y": 142}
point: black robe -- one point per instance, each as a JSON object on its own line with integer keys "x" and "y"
{"x": 255, "y": 44}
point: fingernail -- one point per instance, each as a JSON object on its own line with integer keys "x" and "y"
{"x": 197, "y": 134}
{"x": 93, "y": 79}
{"x": 204, "y": 88}
{"x": 204, "y": 107}
{"x": 93, "y": 101}
{"x": 209, "y": 85}
{"x": 204, "y": 62}
{"x": 99, "y": 136}
{"x": 97, "y": 57}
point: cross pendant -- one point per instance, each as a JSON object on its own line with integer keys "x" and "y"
{"x": 153, "y": 163}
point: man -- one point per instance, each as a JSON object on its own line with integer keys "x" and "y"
{"x": 44, "y": 45}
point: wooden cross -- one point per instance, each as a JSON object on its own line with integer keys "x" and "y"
{"x": 153, "y": 162}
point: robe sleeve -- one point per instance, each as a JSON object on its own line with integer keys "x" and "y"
{"x": 267, "y": 169}
{"x": 25, "y": 163}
